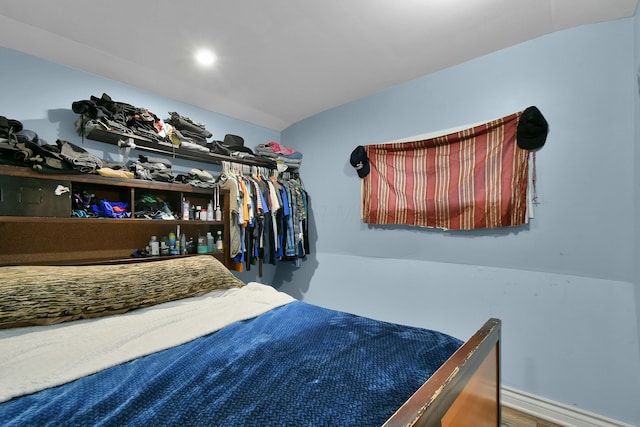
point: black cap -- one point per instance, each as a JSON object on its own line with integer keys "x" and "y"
{"x": 360, "y": 161}
{"x": 532, "y": 129}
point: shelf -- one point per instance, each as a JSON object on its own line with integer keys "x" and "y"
{"x": 76, "y": 220}
{"x": 94, "y": 261}
{"x": 30, "y": 237}
{"x": 160, "y": 147}
{"x": 26, "y": 172}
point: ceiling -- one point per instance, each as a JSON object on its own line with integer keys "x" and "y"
{"x": 281, "y": 61}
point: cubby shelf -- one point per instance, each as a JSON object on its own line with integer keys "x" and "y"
{"x": 34, "y": 234}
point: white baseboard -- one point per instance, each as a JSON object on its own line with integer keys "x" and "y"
{"x": 553, "y": 411}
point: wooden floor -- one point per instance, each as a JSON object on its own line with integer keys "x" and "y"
{"x": 513, "y": 418}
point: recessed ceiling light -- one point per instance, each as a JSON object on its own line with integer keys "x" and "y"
{"x": 205, "y": 57}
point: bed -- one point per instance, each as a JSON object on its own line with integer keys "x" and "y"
{"x": 183, "y": 342}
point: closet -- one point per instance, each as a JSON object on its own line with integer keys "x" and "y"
{"x": 268, "y": 215}
{"x": 264, "y": 210}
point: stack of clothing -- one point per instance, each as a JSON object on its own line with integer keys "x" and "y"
{"x": 104, "y": 113}
{"x": 281, "y": 154}
{"x": 10, "y": 152}
{"x": 153, "y": 207}
{"x": 187, "y": 133}
{"x": 197, "y": 178}
{"x": 23, "y": 147}
{"x": 77, "y": 157}
{"x": 152, "y": 168}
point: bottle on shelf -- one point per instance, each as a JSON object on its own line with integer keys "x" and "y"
{"x": 173, "y": 249}
{"x": 216, "y": 197}
{"x": 183, "y": 244}
{"x": 210, "y": 211}
{"x": 164, "y": 246}
{"x": 210, "y": 243}
{"x": 185, "y": 209}
{"x": 219, "y": 246}
{"x": 154, "y": 246}
{"x": 202, "y": 244}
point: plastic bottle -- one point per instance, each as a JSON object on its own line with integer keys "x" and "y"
{"x": 210, "y": 212}
{"x": 202, "y": 244}
{"x": 210, "y": 243}
{"x": 164, "y": 246}
{"x": 219, "y": 246}
{"x": 173, "y": 250}
{"x": 216, "y": 197}
{"x": 154, "y": 246}
{"x": 185, "y": 208}
{"x": 197, "y": 213}
{"x": 203, "y": 214}
{"x": 183, "y": 244}
{"x": 178, "y": 247}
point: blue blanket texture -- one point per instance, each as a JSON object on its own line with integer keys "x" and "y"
{"x": 296, "y": 365}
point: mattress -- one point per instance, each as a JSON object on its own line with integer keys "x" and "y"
{"x": 238, "y": 357}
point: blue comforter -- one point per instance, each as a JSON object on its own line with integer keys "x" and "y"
{"x": 296, "y": 365}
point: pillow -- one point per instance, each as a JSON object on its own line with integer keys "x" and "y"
{"x": 43, "y": 295}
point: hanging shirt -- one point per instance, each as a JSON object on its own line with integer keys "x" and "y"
{"x": 229, "y": 182}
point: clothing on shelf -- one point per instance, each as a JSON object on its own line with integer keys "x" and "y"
{"x": 280, "y": 153}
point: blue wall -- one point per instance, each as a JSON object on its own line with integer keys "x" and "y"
{"x": 564, "y": 284}
{"x": 636, "y": 119}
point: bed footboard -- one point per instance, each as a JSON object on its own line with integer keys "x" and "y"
{"x": 464, "y": 391}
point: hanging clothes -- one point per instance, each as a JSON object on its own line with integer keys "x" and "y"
{"x": 229, "y": 181}
{"x": 269, "y": 211}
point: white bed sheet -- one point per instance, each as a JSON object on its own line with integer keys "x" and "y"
{"x": 39, "y": 357}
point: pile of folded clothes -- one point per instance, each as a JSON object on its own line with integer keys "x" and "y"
{"x": 151, "y": 168}
{"x": 187, "y": 133}
{"x": 9, "y": 150}
{"x": 106, "y": 114}
{"x": 281, "y": 154}
{"x": 23, "y": 147}
{"x": 153, "y": 207}
{"x": 197, "y": 178}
